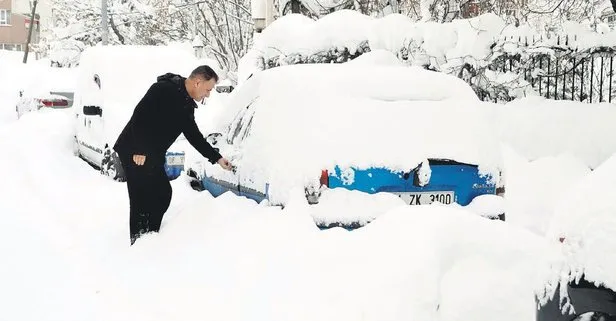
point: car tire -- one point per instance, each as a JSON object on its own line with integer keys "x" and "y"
{"x": 194, "y": 181}
{"x": 112, "y": 166}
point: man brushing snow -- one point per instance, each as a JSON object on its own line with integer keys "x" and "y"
{"x": 166, "y": 110}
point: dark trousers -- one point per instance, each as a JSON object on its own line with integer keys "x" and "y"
{"x": 149, "y": 192}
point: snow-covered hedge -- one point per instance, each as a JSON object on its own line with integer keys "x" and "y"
{"x": 500, "y": 61}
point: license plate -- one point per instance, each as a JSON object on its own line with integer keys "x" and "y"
{"x": 424, "y": 198}
{"x": 175, "y": 160}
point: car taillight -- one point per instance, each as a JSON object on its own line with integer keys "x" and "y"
{"x": 60, "y": 103}
{"x": 54, "y": 102}
{"x": 324, "y": 178}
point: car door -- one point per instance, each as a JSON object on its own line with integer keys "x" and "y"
{"x": 251, "y": 185}
{"x": 214, "y": 179}
{"x": 91, "y": 124}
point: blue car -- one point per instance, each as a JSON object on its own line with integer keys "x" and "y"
{"x": 259, "y": 120}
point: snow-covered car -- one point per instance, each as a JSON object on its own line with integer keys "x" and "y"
{"x": 374, "y": 128}
{"x": 52, "y": 89}
{"x": 581, "y": 284}
{"x": 111, "y": 81}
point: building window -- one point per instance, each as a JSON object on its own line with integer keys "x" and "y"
{"x": 5, "y": 17}
{"x": 11, "y": 47}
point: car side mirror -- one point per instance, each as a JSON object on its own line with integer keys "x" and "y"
{"x": 224, "y": 89}
{"x": 92, "y": 111}
{"x": 213, "y": 138}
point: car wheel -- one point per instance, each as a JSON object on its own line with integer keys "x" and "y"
{"x": 194, "y": 181}
{"x": 112, "y": 166}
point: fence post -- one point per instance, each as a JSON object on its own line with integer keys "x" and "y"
{"x": 567, "y": 41}
{"x": 592, "y": 75}
{"x": 556, "y": 79}
{"x": 573, "y": 81}
{"x": 540, "y": 67}
{"x": 530, "y": 73}
{"x": 611, "y": 73}
{"x": 582, "y": 81}
{"x": 549, "y": 72}
{"x": 601, "y": 83}
{"x": 564, "y": 82}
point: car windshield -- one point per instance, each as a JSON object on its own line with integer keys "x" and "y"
{"x": 239, "y": 128}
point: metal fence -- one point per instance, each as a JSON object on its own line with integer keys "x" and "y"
{"x": 560, "y": 74}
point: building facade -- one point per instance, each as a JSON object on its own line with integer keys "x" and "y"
{"x": 15, "y": 25}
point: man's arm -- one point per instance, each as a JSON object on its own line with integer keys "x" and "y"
{"x": 196, "y": 139}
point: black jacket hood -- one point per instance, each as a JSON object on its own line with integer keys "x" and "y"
{"x": 171, "y": 77}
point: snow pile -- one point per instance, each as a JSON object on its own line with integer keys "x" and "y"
{"x": 535, "y": 188}
{"x": 359, "y": 207}
{"x": 353, "y": 120}
{"x": 410, "y": 261}
{"x": 231, "y": 259}
{"x": 586, "y": 219}
{"x": 537, "y": 127}
{"x": 474, "y": 38}
{"x": 299, "y": 34}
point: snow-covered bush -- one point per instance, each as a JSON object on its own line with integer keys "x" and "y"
{"x": 500, "y": 61}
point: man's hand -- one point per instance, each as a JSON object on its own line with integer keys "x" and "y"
{"x": 139, "y": 159}
{"x": 224, "y": 163}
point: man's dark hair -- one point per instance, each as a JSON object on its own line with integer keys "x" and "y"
{"x": 205, "y": 72}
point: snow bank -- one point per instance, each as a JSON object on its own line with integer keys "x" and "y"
{"x": 586, "y": 219}
{"x": 349, "y": 116}
{"x": 296, "y": 33}
{"x": 402, "y": 266}
{"x": 535, "y": 188}
{"x": 231, "y": 259}
{"x": 537, "y": 127}
{"x": 358, "y": 207}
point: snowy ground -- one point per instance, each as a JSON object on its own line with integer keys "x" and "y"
{"x": 65, "y": 254}
{"x": 64, "y": 240}
{"x": 65, "y": 247}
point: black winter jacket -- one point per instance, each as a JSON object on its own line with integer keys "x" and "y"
{"x": 163, "y": 113}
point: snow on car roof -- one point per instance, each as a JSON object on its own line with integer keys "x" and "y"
{"x": 125, "y": 74}
{"x": 312, "y": 117}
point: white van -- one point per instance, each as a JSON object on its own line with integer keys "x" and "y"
{"x": 111, "y": 81}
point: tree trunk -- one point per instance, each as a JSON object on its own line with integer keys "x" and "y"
{"x": 116, "y": 30}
